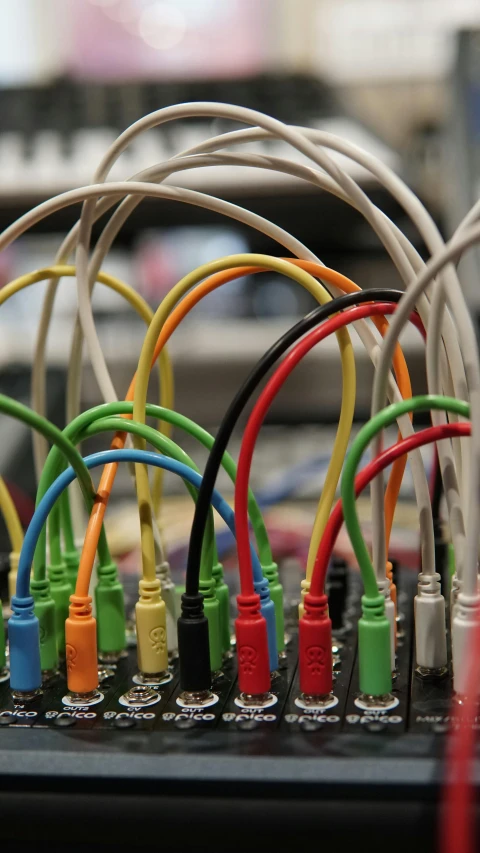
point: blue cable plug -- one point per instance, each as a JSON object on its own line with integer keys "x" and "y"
{"x": 24, "y": 641}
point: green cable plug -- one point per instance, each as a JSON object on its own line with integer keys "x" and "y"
{"x": 211, "y": 609}
{"x": 110, "y": 610}
{"x": 374, "y": 647}
{"x": 276, "y": 594}
{"x": 72, "y": 562}
{"x": 222, "y": 595}
{"x": 60, "y": 591}
{"x": 45, "y": 612}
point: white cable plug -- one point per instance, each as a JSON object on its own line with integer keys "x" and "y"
{"x": 430, "y": 626}
{"x": 464, "y": 626}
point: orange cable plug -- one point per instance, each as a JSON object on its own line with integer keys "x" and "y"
{"x": 81, "y": 646}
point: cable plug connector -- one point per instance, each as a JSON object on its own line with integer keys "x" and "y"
{"x": 374, "y": 647}
{"x": 151, "y": 619}
{"x": 193, "y": 646}
{"x": 168, "y": 593}
{"x": 270, "y": 572}
{"x": 45, "y": 612}
{"x": 464, "y": 625}
{"x": 24, "y": 641}
{"x": 430, "y": 626}
{"x": 211, "y": 608}
{"x": 110, "y": 610}
{"x": 12, "y": 574}
{"x": 222, "y": 595}
{"x": 267, "y": 610}
{"x": 72, "y": 562}
{"x": 315, "y": 647}
{"x": 81, "y": 646}
{"x": 252, "y": 647}
{"x": 60, "y": 591}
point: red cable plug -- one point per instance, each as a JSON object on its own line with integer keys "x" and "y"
{"x": 252, "y": 646}
{"x": 315, "y": 647}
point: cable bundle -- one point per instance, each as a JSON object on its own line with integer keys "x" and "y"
{"x": 52, "y": 611}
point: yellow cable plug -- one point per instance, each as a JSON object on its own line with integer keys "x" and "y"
{"x": 151, "y": 619}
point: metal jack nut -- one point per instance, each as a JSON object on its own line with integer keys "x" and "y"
{"x": 139, "y": 696}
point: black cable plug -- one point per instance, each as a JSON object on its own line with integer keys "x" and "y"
{"x": 194, "y": 646}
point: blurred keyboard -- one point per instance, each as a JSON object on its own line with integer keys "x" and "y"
{"x": 53, "y": 137}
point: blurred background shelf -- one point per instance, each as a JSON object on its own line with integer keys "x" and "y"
{"x": 214, "y": 358}
{"x": 397, "y": 79}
